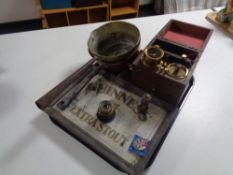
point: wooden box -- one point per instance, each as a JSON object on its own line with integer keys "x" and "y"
{"x": 175, "y": 39}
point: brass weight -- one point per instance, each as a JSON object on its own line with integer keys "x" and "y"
{"x": 177, "y": 70}
{"x": 106, "y": 111}
{"x": 153, "y": 58}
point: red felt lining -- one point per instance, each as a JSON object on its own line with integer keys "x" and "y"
{"x": 184, "y": 39}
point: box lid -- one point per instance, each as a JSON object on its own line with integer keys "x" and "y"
{"x": 185, "y": 34}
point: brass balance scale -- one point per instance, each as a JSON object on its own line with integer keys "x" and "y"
{"x": 122, "y": 103}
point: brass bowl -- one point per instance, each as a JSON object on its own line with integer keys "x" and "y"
{"x": 114, "y": 42}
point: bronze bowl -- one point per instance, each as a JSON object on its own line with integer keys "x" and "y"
{"x": 114, "y": 42}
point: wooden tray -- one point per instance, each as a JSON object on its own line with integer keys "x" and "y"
{"x": 212, "y": 17}
{"x": 154, "y": 129}
{"x": 125, "y": 89}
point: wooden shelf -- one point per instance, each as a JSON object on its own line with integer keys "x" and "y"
{"x": 49, "y": 11}
{"x": 53, "y": 22}
{"x": 98, "y": 15}
{"x": 75, "y": 15}
{"x": 123, "y": 11}
{"x": 123, "y": 8}
{"x": 108, "y": 10}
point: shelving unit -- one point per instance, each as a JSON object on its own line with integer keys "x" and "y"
{"x": 123, "y": 9}
{"x": 74, "y": 15}
{"x": 108, "y": 10}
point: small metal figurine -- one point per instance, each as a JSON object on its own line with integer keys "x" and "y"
{"x": 143, "y": 107}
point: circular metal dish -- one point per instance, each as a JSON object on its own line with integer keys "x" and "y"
{"x": 114, "y": 42}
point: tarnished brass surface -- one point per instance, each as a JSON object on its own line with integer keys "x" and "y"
{"x": 106, "y": 111}
{"x": 114, "y": 42}
{"x": 152, "y": 56}
{"x": 177, "y": 70}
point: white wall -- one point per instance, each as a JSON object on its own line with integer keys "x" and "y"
{"x": 143, "y": 2}
{"x": 16, "y": 10}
